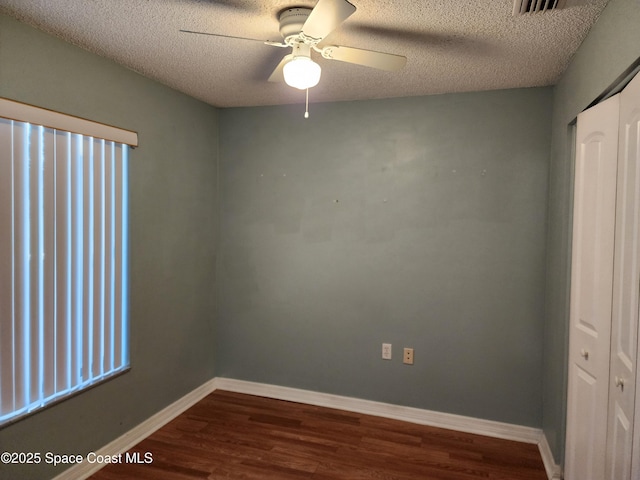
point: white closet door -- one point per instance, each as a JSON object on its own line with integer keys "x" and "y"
{"x": 624, "y": 328}
{"x": 591, "y": 287}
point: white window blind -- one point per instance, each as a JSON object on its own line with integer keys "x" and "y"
{"x": 63, "y": 263}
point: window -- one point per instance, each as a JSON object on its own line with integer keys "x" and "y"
{"x": 63, "y": 256}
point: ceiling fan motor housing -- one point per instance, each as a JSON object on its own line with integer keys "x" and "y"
{"x": 291, "y": 22}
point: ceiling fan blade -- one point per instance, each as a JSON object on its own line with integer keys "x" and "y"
{"x": 266, "y": 42}
{"x": 325, "y": 17}
{"x": 368, "y": 58}
{"x": 277, "y": 75}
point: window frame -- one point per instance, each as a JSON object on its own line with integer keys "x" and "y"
{"x": 87, "y": 133}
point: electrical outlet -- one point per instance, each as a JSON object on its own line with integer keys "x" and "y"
{"x": 386, "y": 351}
{"x": 408, "y": 356}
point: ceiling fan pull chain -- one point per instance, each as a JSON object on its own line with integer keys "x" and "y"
{"x": 306, "y": 112}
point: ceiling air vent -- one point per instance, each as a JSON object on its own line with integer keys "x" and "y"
{"x": 520, "y": 7}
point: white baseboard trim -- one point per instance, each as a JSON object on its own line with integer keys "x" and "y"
{"x": 83, "y": 470}
{"x": 554, "y": 472}
{"x": 408, "y": 414}
{"x": 460, "y": 423}
{"x": 387, "y": 410}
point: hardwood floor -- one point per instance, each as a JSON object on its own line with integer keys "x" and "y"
{"x": 235, "y": 436}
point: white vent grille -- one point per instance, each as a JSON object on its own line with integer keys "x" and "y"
{"x": 522, "y": 7}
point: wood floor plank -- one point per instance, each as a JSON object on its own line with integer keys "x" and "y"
{"x": 234, "y": 436}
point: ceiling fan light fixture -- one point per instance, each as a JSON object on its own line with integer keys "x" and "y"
{"x": 302, "y": 73}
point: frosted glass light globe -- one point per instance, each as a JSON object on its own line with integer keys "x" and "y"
{"x": 301, "y": 73}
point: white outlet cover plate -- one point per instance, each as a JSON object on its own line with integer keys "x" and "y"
{"x": 386, "y": 351}
{"x": 408, "y": 356}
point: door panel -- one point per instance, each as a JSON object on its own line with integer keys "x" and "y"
{"x": 591, "y": 287}
{"x": 624, "y": 328}
{"x": 619, "y": 457}
{"x": 583, "y": 405}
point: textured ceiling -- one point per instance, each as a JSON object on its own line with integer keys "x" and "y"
{"x": 450, "y": 45}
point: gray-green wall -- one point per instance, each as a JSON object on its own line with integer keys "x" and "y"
{"x": 612, "y": 45}
{"x": 416, "y": 221}
{"x": 173, "y": 230}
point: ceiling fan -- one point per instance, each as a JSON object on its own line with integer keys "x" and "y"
{"x": 303, "y": 29}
